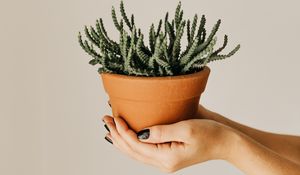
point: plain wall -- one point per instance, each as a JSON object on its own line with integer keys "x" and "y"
{"x": 52, "y": 101}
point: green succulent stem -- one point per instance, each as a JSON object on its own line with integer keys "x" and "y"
{"x": 163, "y": 56}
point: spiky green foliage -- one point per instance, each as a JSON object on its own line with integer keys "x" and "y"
{"x": 164, "y": 56}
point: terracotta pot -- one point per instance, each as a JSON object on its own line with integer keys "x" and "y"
{"x": 148, "y": 101}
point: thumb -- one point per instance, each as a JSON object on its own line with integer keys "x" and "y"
{"x": 164, "y": 133}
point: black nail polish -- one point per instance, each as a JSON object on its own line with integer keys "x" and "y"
{"x": 144, "y": 134}
{"x": 108, "y": 140}
{"x": 106, "y": 127}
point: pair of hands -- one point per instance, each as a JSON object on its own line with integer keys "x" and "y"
{"x": 171, "y": 147}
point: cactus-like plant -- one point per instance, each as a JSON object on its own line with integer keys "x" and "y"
{"x": 164, "y": 56}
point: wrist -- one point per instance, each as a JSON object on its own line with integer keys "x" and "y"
{"x": 228, "y": 141}
{"x": 204, "y": 113}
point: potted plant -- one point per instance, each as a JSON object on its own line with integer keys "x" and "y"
{"x": 156, "y": 84}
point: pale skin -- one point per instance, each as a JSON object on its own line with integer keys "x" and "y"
{"x": 210, "y": 136}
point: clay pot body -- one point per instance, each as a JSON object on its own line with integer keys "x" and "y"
{"x": 148, "y": 101}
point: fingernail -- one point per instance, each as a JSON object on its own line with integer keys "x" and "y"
{"x": 144, "y": 134}
{"x": 109, "y": 103}
{"x": 106, "y": 127}
{"x": 108, "y": 140}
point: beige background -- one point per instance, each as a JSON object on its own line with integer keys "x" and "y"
{"x": 52, "y": 100}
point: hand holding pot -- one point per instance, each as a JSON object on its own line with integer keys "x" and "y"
{"x": 176, "y": 146}
{"x": 171, "y": 147}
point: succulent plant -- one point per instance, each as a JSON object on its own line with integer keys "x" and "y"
{"x": 163, "y": 56}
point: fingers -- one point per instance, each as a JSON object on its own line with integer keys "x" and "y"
{"x": 130, "y": 137}
{"x": 163, "y": 155}
{"x": 126, "y": 141}
{"x": 115, "y": 137}
{"x": 108, "y": 119}
{"x": 177, "y": 132}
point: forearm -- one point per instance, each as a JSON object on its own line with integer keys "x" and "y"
{"x": 285, "y": 145}
{"x": 253, "y": 158}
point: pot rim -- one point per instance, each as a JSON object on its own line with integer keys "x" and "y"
{"x": 156, "y": 88}
{"x": 175, "y": 77}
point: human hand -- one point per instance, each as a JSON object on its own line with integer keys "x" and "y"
{"x": 171, "y": 147}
